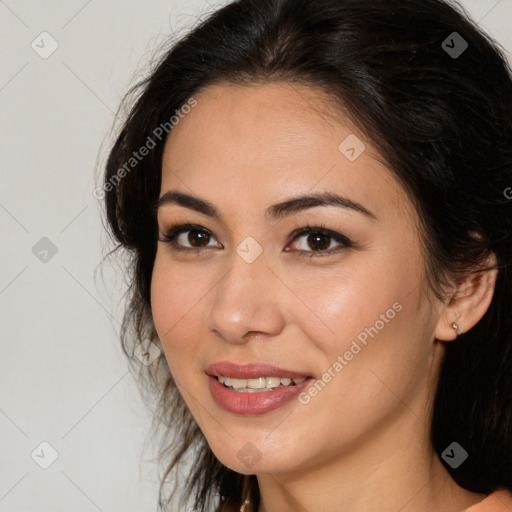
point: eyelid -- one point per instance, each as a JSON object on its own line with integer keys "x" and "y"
{"x": 302, "y": 229}
{"x": 177, "y": 229}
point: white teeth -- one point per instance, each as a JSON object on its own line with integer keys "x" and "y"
{"x": 238, "y": 383}
{"x": 273, "y": 382}
{"x": 258, "y": 384}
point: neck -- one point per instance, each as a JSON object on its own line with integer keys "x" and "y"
{"x": 384, "y": 472}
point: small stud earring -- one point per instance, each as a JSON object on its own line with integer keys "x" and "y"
{"x": 456, "y": 327}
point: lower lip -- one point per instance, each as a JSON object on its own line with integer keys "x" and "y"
{"x": 250, "y": 404}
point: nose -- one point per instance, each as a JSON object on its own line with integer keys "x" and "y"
{"x": 247, "y": 302}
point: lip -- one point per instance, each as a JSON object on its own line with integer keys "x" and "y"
{"x": 260, "y": 402}
{"x": 253, "y": 404}
{"x": 251, "y": 371}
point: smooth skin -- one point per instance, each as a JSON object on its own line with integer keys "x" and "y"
{"x": 362, "y": 443}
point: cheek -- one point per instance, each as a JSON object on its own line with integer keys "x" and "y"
{"x": 365, "y": 328}
{"x": 163, "y": 298}
{"x": 172, "y": 304}
{"x": 370, "y": 366}
{"x": 174, "y": 293}
{"x": 346, "y": 306}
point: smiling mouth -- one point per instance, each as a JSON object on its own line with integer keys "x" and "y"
{"x": 259, "y": 384}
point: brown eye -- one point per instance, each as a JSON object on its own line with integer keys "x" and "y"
{"x": 196, "y": 238}
{"x": 318, "y": 240}
{"x": 188, "y": 237}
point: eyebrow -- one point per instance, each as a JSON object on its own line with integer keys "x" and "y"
{"x": 275, "y": 212}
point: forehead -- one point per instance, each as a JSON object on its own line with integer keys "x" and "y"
{"x": 260, "y": 143}
{"x": 275, "y": 120}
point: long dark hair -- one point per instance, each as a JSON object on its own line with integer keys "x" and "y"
{"x": 433, "y": 93}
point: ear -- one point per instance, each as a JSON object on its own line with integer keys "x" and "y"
{"x": 468, "y": 302}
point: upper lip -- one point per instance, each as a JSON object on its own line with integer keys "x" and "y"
{"x": 251, "y": 371}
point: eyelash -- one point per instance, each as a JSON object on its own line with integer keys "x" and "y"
{"x": 172, "y": 233}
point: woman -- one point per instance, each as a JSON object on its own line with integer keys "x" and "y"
{"x": 316, "y": 197}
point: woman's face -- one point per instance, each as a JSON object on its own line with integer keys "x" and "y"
{"x": 246, "y": 291}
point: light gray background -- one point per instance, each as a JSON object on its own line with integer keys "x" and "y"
{"x": 64, "y": 379}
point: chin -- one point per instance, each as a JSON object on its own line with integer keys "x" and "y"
{"x": 248, "y": 457}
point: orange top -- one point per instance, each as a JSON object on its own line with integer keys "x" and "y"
{"x": 498, "y": 501}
